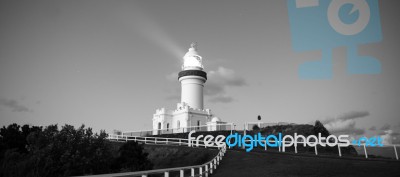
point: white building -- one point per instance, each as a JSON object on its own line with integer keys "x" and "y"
{"x": 190, "y": 112}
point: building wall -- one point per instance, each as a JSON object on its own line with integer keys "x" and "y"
{"x": 192, "y": 91}
{"x": 202, "y": 118}
{"x": 162, "y": 116}
{"x": 186, "y": 116}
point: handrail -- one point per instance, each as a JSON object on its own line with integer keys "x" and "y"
{"x": 181, "y": 128}
{"x": 203, "y": 169}
{"x": 158, "y": 171}
{"x": 364, "y": 145}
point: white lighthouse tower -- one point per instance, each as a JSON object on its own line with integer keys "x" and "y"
{"x": 189, "y": 113}
{"x": 192, "y": 78}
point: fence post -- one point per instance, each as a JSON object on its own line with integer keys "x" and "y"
{"x": 145, "y": 140}
{"x": 192, "y": 171}
{"x": 295, "y": 148}
{"x": 144, "y": 175}
{"x": 182, "y": 173}
{"x": 215, "y": 163}
{"x": 340, "y": 152}
{"x": 200, "y": 171}
{"x": 166, "y": 174}
{"x": 395, "y": 151}
{"x": 166, "y": 141}
{"x": 135, "y": 139}
{"x": 155, "y": 140}
{"x": 265, "y": 142}
{"x": 316, "y": 151}
{"x": 206, "y": 170}
{"x": 244, "y": 134}
{"x": 365, "y": 151}
{"x": 179, "y": 142}
{"x": 231, "y": 127}
{"x": 211, "y": 167}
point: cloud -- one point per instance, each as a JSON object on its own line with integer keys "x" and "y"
{"x": 385, "y": 127}
{"x": 373, "y": 128}
{"x": 221, "y": 99}
{"x": 225, "y": 76}
{"x": 354, "y": 115}
{"x": 348, "y": 116}
{"x": 216, "y": 85}
{"x": 390, "y": 137}
{"x": 345, "y": 123}
{"x": 344, "y": 127}
{"x": 381, "y": 133}
{"x": 218, "y": 82}
{"x": 14, "y": 105}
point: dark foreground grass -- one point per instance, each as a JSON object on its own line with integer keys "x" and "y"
{"x": 170, "y": 156}
{"x": 240, "y": 163}
{"x": 178, "y": 156}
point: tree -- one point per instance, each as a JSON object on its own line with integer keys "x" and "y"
{"x": 12, "y": 137}
{"x": 256, "y": 128}
{"x": 319, "y": 128}
{"x": 33, "y": 151}
{"x": 133, "y": 158}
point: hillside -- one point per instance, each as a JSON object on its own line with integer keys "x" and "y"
{"x": 301, "y": 129}
{"x": 177, "y": 156}
{"x": 240, "y": 163}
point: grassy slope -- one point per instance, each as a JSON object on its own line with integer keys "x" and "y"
{"x": 302, "y": 129}
{"x": 240, "y": 163}
{"x": 178, "y": 156}
{"x": 163, "y": 156}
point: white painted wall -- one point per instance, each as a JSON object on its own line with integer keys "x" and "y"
{"x": 192, "y": 91}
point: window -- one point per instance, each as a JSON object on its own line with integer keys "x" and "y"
{"x": 159, "y": 129}
{"x": 167, "y": 126}
{"x": 178, "y": 124}
{"x": 198, "y": 124}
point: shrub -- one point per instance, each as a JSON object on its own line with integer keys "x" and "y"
{"x": 132, "y": 158}
{"x": 256, "y": 128}
{"x": 34, "y": 151}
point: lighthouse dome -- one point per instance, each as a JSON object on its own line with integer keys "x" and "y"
{"x": 215, "y": 119}
{"x": 192, "y": 60}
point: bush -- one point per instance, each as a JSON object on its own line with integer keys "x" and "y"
{"x": 132, "y": 158}
{"x": 34, "y": 151}
{"x": 256, "y": 128}
{"x": 319, "y": 128}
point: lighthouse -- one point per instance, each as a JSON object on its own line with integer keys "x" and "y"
{"x": 190, "y": 113}
{"x": 192, "y": 79}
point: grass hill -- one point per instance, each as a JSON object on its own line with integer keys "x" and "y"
{"x": 241, "y": 163}
{"x": 178, "y": 156}
{"x": 300, "y": 129}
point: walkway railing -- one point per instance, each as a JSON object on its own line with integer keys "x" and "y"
{"x": 152, "y": 132}
{"x": 196, "y": 170}
{"x": 250, "y": 125}
{"x": 363, "y": 145}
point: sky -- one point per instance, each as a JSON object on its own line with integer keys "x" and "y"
{"x": 111, "y": 64}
